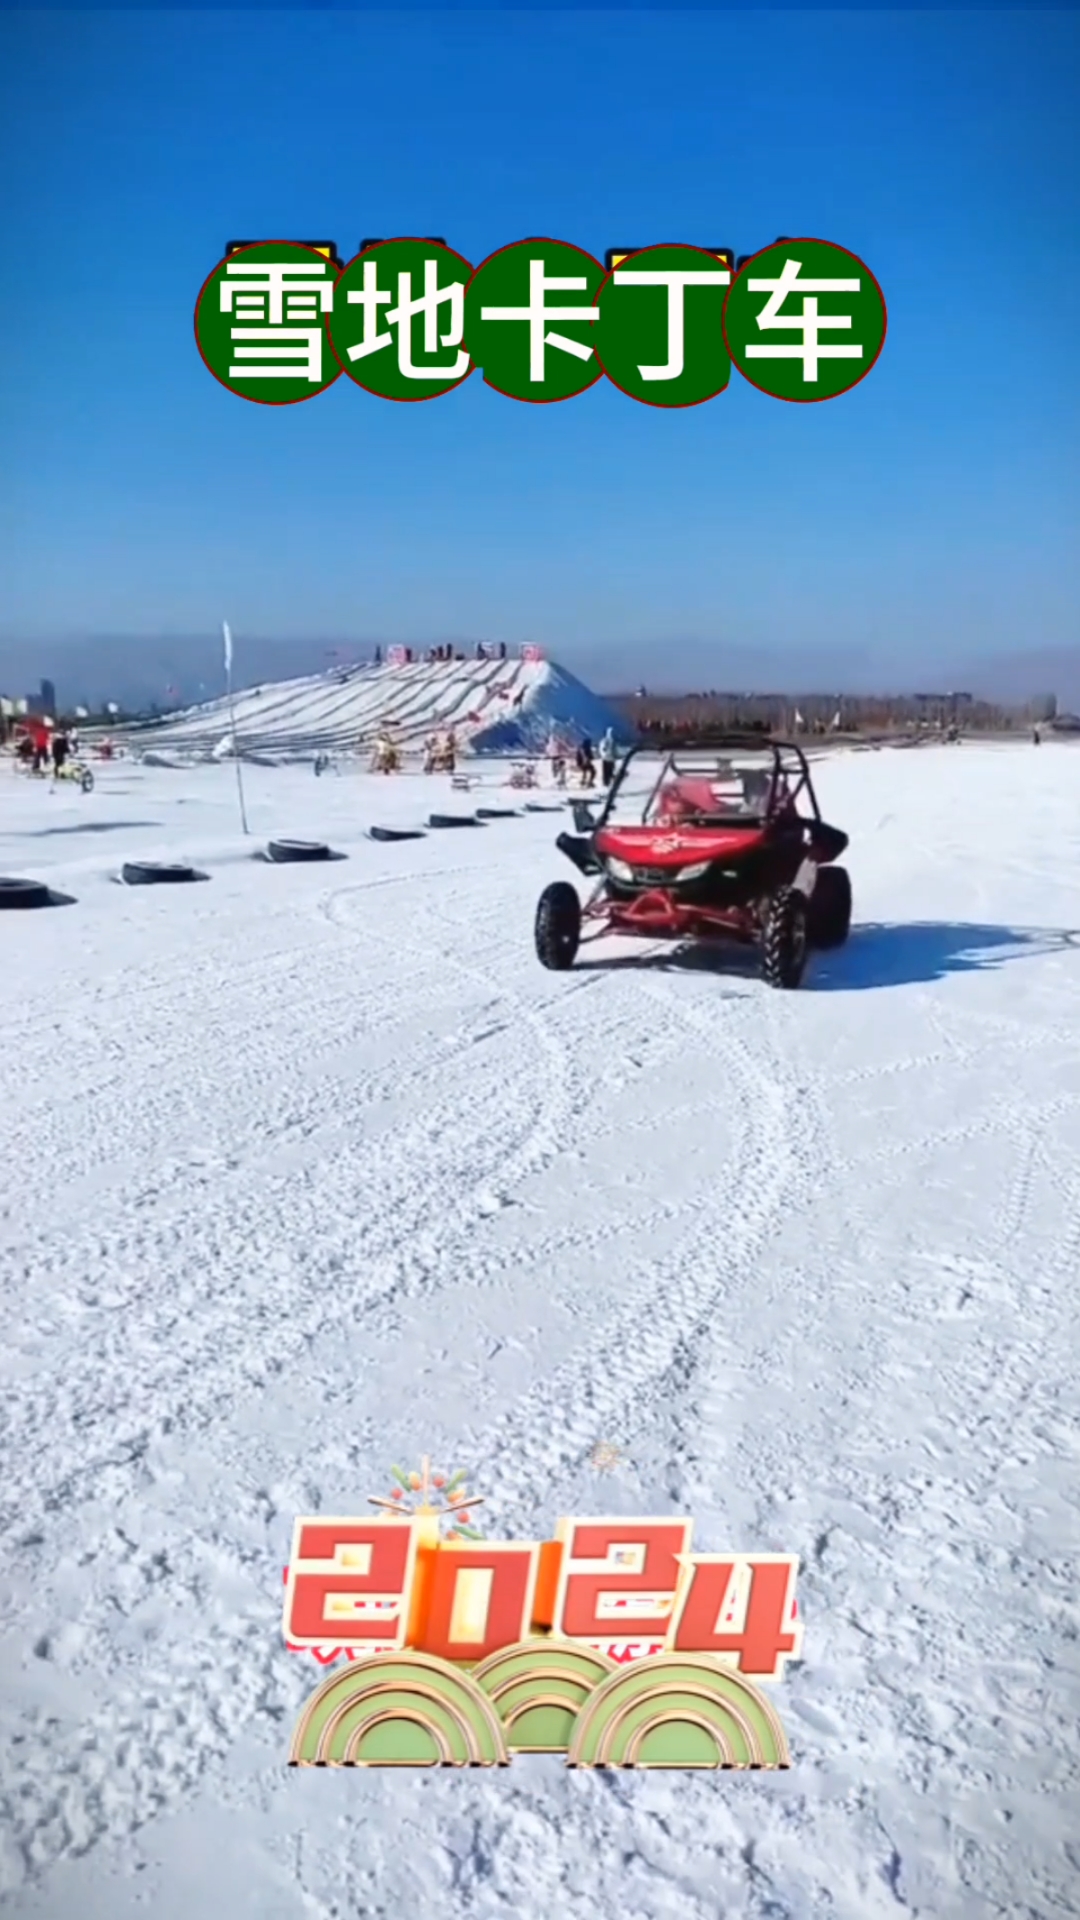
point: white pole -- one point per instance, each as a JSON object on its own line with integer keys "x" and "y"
{"x": 227, "y": 636}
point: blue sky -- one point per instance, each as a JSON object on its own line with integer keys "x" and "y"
{"x": 931, "y": 511}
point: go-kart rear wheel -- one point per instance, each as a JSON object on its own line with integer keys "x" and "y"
{"x": 784, "y": 939}
{"x": 830, "y": 908}
{"x": 558, "y": 926}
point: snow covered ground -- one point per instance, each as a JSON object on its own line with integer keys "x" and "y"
{"x": 312, "y": 1169}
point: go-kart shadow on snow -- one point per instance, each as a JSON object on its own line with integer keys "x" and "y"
{"x": 877, "y": 955}
{"x": 896, "y": 954}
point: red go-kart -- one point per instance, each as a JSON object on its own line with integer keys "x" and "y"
{"x": 725, "y": 842}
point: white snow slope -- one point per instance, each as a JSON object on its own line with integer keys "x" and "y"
{"x": 308, "y": 1170}
{"x": 495, "y": 705}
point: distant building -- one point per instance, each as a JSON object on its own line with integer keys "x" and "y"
{"x": 47, "y": 697}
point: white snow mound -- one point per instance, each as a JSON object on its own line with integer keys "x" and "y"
{"x": 495, "y": 706}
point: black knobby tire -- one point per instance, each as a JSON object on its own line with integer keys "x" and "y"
{"x": 396, "y": 833}
{"x": 155, "y": 873}
{"x": 558, "y": 926}
{"x": 784, "y": 939}
{"x": 453, "y": 820}
{"x": 290, "y": 852}
{"x": 15, "y": 894}
{"x": 497, "y": 813}
{"x": 830, "y": 908}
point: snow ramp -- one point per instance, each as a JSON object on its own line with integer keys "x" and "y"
{"x": 495, "y": 706}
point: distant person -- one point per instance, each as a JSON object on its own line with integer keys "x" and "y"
{"x": 59, "y": 750}
{"x": 1037, "y": 737}
{"x": 607, "y": 757}
{"x": 502, "y": 649}
{"x": 378, "y": 656}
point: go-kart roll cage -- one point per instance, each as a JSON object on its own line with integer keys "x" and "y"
{"x": 717, "y": 747}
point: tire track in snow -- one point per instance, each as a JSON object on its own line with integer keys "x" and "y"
{"x": 643, "y": 1351}
{"x": 108, "y": 1122}
{"x": 188, "y": 1347}
{"x": 214, "y": 1688}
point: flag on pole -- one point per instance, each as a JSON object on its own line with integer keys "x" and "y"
{"x": 234, "y": 745}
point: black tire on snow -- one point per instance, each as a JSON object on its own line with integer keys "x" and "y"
{"x": 496, "y": 813}
{"x": 784, "y": 939}
{"x": 830, "y": 908}
{"x": 396, "y": 833}
{"x": 558, "y": 926}
{"x": 290, "y": 852}
{"x": 536, "y": 806}
{"x": 453, "y": 820}
{"x": 155, "y": 873}
{"x": 24, "y": 893}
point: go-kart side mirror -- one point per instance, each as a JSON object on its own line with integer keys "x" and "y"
{"x": 584, "y": 817}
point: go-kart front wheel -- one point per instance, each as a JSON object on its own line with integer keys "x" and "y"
{"x": 784, "y": 939}
{"x": 558, "y": 926}
{"x": 830, "y": 908}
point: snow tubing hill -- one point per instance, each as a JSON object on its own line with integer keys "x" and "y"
{"x": 496, "y": 707}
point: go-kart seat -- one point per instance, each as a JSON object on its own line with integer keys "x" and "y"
{"x": 682, "y": 799}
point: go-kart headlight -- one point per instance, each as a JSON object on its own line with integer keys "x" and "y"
{"x": 696, "y": 872}
{"x": 620, "y": 870}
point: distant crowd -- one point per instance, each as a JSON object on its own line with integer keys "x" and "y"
{"x": 441, "y": 753}
{"x": 432, "y": 655}
{"x": 38, "y": 747}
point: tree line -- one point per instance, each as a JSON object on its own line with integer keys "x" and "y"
{"x": 674, "y": 715}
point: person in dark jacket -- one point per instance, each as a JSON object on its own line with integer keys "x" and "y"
{"x": 59, "y": 750}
